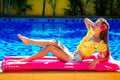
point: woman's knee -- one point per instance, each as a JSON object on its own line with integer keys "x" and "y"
{"x": 54, "y": 43}
{"x": 50, "y": 47}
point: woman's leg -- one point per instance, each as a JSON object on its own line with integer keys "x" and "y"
{"x": 27, "y": 41}
{"x": 55, "y": 50}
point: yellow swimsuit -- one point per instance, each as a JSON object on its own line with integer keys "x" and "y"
{"x": 87, "y": 47}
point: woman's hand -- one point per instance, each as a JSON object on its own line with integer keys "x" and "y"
{"x": 93, "y": 64}
{"x": 88, "y": 23}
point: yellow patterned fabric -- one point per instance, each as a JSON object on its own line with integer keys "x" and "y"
{"x": 89, "y": 47}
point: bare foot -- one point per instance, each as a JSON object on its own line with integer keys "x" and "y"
{"x": 24, "y": 39}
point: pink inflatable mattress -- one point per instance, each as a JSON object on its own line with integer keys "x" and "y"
{"x": 52, "y": 63}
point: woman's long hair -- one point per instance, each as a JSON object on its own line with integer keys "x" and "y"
{"x": 104, "y": 35}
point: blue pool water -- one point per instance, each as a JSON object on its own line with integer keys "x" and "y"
{"x": 72, "y": 31}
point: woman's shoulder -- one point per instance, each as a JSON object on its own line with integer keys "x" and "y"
{"x": 101, "y": 46}
{"x": 102, "y": 42}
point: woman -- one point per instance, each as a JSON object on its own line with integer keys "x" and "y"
{"x": 95, "y": 39}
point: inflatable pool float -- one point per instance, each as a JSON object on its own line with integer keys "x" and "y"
{"x": 52, "y": 63}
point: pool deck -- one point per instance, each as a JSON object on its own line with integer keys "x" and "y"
{"x": 60, "y": 75}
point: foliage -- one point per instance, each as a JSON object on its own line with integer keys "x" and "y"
{"x": 101, "y": 7}
{"x": 43, "y": 10}
{"x": 114, "y": 7}
{"x": 2, "y": 4}
{"x": 76, "y": 7}
{"x": 53, "y": 5}
{"x": 21, "y": 6}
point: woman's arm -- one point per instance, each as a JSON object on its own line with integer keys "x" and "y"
{"x": 106, "y": 57}
{"x": 88, "y": 23}
{"x": 93, "y": 63}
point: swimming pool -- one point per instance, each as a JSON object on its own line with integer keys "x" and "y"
{"x": 72, "y": 31}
